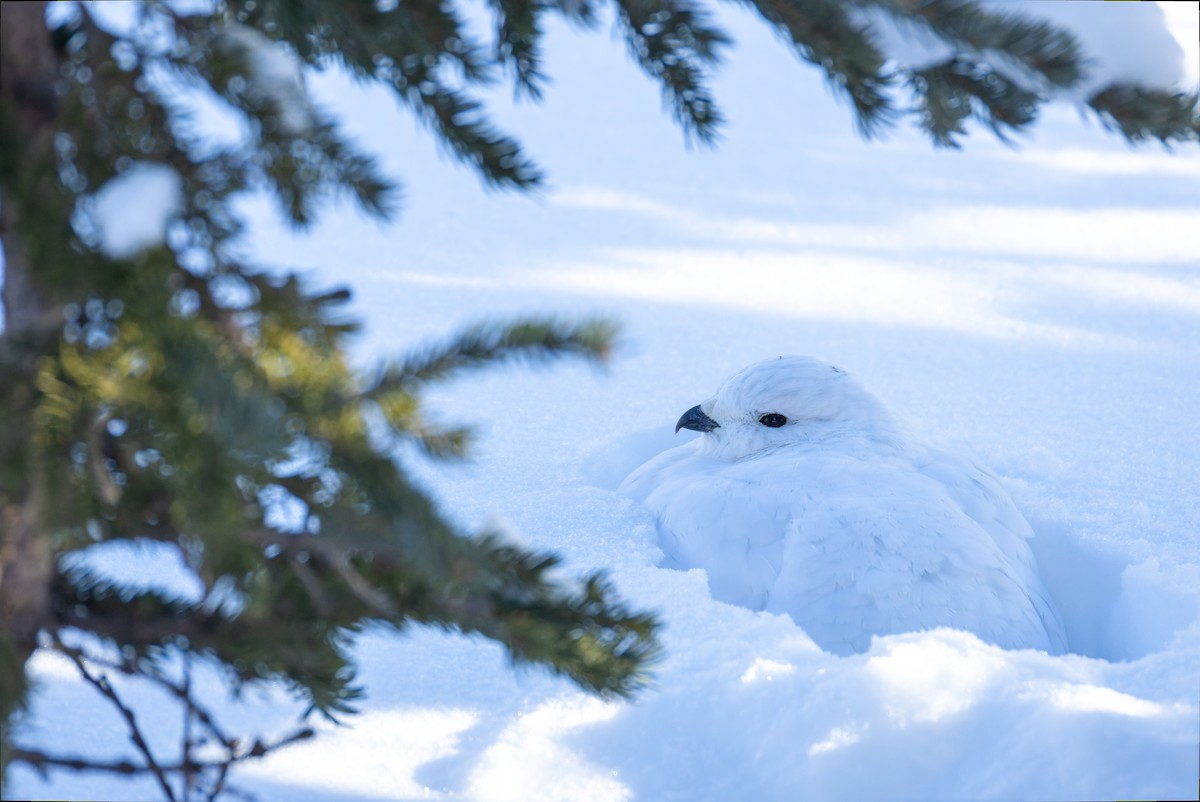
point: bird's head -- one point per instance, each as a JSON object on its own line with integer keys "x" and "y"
{"x": 785, "y": 400}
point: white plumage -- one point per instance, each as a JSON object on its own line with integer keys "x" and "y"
{"x": 834, "y": 517}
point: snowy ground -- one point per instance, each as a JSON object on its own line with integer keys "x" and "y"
{"x": 1037, "y": 308}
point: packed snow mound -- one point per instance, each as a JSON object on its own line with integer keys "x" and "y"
{"x": 803, "y": 497}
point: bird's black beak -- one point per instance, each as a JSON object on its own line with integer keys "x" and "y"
{"x": 697, "y": 421}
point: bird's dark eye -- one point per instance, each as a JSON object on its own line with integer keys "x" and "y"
{"x": 772, "y": 419}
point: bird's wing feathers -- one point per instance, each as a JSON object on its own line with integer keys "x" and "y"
{"x": 850, "y": 546}
{"x": 883, "y": 548}
{"x": 982, "y": 497}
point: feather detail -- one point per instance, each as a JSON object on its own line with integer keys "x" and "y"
{"x": 838, "y": 520}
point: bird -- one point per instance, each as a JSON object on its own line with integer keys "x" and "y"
{"x": 803, "y": 496}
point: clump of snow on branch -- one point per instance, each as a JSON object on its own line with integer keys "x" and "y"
{"x": 1128, "y": 43}
{"x": 275, "y": 75}
{"x": 132, "y": 210}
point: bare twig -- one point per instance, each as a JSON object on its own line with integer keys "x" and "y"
{"x": 107, "y": 489}
{"x": 102, "y": 684}
{"x": 189, "y": 774}
{"x": 292, "y": 545}
{"x": 257, "y": 749}
{"x": 219, "y": 784}
{"x": 39, "y": 759}
{"x": 192, "y": 771}
{"x": 181, "y": 692}
{"x": 312, "y": 585}
{"x": 376, "y": 601}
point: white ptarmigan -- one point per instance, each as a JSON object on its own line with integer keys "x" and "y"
{"x": 802, "y": 496}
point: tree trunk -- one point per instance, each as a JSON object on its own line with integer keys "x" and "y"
{"x": 28, "y": 70}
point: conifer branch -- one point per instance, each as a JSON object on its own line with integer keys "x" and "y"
{"x": 823, "y": 33}
{"x": 949, "y": 93}
{"x": 1139, "y": 114}
{"x": 675, "y": 42}
{"x": 532, "y": 340}
{"x": 518, "y": 40}
{"x": 1047, "y": 53}
{"x": 312, "y": 585}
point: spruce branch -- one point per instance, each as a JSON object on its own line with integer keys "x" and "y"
{"x": 312, "y": 585}
{"x": 484, "y": 344}
{"x": 392, "y": 392}
{"x": 444, "y": 444}
{"x": 518, "y": 40}
{"x": 823, "y": 33}
{"x": 949, "y": 93}
{"x": 1048, "y": 53}
{"x": 249, "y": 643}
{"x": 1139, "y": 114}
{"x": 257, "y": 748}
{"x": 675, "y": 42}
{"x": 463, "y": 128}
{"x": 412, "y": 48}
{"x": 580, "y": 12}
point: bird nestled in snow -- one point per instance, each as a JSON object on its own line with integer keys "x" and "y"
{"x": 802, "y": 496}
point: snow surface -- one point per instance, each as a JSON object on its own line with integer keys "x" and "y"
{"x": 1036, "y": 308}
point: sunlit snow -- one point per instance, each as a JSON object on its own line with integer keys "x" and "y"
{"x": 1036, "y": 307}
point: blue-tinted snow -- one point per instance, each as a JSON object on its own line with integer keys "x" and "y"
{"x": 1037, "y": 308}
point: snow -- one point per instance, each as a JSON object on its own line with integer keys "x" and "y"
{"x": 121, "y": 17}
{"x": 1184, "y": 24}
{"x": 379, "y": 756}
{"x": 275, "y": 73}
{"x": 1128, "y": 42}
{"x": 131, "y": 212}
{"x": 1137, "y": 43}
{"x": 1036, "y": 308}
{"x": 141, "y": 564}
{"x": 114, "y": 16}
